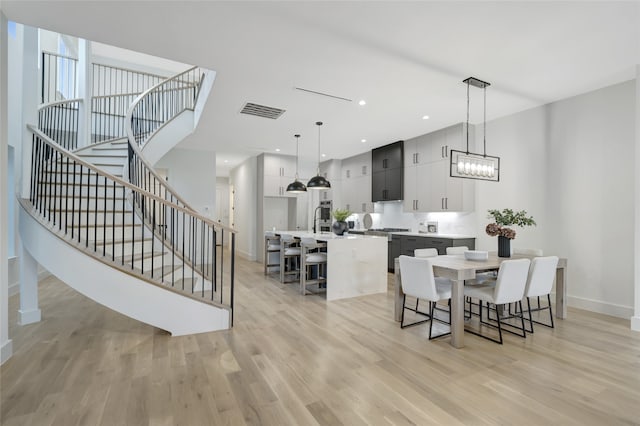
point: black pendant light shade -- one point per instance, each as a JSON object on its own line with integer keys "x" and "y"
{"x": 318, "y": 182}
{"x": 296, "y": 186}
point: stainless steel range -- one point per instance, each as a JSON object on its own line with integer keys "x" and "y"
{"x": 384, "y": 232}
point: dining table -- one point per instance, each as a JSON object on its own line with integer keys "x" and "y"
{"x": 458, "y": 269}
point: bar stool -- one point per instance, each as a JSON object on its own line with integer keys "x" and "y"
{"x": 312, "y": 257}
{"x": 271, "y": 246}
{"x": 289, "y": 257}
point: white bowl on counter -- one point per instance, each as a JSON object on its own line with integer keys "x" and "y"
{"x": 478, "y": 255}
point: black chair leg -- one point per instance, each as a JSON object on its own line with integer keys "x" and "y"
{"x": 550, "y": 311}
{"x": 433, "y": 318}
{"x": 402, "y": 324}
{"x": 530, "y": 317}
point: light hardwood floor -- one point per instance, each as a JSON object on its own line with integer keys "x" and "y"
{"x": 299, "y": 360}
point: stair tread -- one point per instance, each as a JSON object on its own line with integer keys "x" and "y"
{"x": 141, "y": 256}
{"x": 103, "y": 156}
{"x": 120, "y": 241}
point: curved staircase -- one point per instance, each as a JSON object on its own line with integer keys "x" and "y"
{"x": 102, "y": 220}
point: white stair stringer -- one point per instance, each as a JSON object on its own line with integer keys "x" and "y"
{"x": 144, "y": 300}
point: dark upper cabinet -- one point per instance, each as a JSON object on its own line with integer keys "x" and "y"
{"x": 387, "y": 181}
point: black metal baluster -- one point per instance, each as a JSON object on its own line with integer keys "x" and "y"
{"x": 104, "y": 217}
{"x": 183, "y": 253}
{"x": 221, "y": 264}
{"x": 113, "y": 228}
{"x": 233, "y": 268}
{"x": 95, "y": 216}
{"x": 215, "y": 262}
{"x": 66, "y": 196}
{"x": 73, "y": 203}
{"x": 88, "y": 206}
{"x": 153, "y": 231}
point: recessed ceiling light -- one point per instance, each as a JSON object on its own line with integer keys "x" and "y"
{"x": 363, "y": 140}
{"x": 277, "y": 149}
{"x": 362, "y": 102}
{"x": 324, "y": 155}
{"x": 425, "y": 117}
{"x": 226, "y": 161}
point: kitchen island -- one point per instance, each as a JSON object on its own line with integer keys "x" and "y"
{"x": 356, "y": 264}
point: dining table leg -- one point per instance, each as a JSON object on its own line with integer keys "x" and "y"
{"x": 457, "y": 313}
{"x": 561, "y": 293}
{"x": 398, "y": 293}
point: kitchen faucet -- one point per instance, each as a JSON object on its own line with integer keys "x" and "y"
{"x": 314, "y": 218}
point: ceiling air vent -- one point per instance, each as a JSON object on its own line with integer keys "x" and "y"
{"x": 262, "y": 110}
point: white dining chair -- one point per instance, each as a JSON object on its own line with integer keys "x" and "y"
{"x": 457, "y": 250}
{"x": 509, "y": 288}
{"x": 425, "y": 252}
{"x": 418, "y": 281}
{"x": 312, "y": 258}
{"x": 528, "y": 252}
{"x": 542, "y": 273}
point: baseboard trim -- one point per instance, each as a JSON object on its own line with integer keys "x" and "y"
{"x": 600, "y": 307}
{"x": 246, "y": 256}
{"x": 635, "y": 323}
{"x": 29, "y": 317}
{"x": 6, "y": 350}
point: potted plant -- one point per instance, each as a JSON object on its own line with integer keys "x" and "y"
{"x": 340, "y": 225}
{"x": 500, "y": 227}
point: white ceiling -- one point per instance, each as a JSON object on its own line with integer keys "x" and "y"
{"x": 406, "y": 59}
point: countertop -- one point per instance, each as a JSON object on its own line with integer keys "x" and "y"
{"x": 326, "y": 236}
{"x": 422, "y": 234}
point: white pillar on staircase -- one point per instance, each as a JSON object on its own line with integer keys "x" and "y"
{"x": 84, "y": 85}
{"x": 29, "y": 311}
{"x": 6, "y": 349}
{"x": 635, "y": 320}
{"x": 29, "y": 103}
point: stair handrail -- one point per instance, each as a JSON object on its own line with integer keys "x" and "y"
{"x": 123, "y": 182}
{"x": 135, "y": 150}
{"x": 170, "y": 223}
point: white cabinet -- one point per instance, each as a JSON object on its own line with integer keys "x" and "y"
{"x": 356, "y": 183}
{"x": 449, "y": 194}
{"x": 418, "y": 187}
{"x": 279, "y": 172}
{"x": 330, "y": 170}
{"x": 279, "y": 165}
{"x": 417, "y": 150}
{"x": 427, "y": 184}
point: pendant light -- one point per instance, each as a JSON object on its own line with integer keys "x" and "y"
{"x": 469, "y": 165}
{"x": 296, "y": 186}
{"x": 318, "y": 182}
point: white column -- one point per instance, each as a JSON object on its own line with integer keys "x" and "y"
{"x": 29, "y": 311}
{"x": 6, "y": 349}
{"x": 29, "y": 104}
{"x": 84, "y": 83}
{"x": 635, "y": 320}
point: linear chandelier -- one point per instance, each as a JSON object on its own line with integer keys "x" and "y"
{"x": 471, "y": 165}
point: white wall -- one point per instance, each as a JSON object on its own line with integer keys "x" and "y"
{"x": 193, "y": 175}
{"x": 591, "y": 200}
{"x": 129, "y": 59}
{"x": 6, "y": 348}
{"x": 243, "y": 179}
{"x": 520, "y": 142}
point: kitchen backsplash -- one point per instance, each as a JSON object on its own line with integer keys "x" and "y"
{"x": 391, "y": 215}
